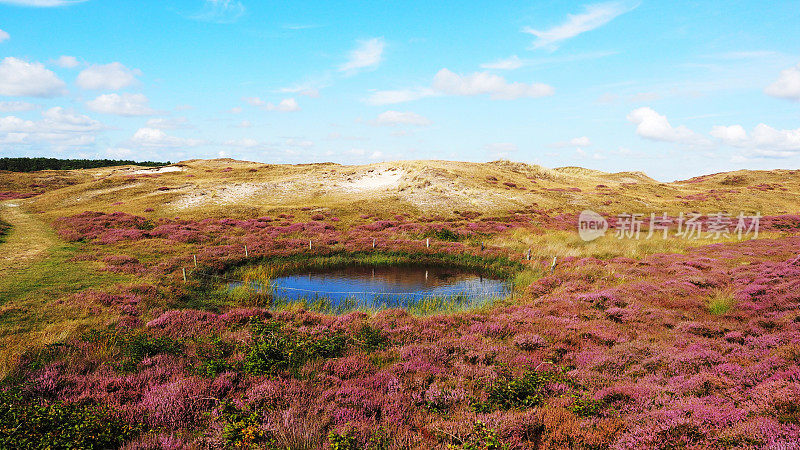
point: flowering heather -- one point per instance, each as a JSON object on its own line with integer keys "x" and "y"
{"x": 600, "y": 352}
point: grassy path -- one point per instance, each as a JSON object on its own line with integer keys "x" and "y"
{"x": 37, "y": 275}
{"x": 29, "y": 240}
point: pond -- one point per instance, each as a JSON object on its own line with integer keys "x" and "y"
{"x": 347, "y": 288}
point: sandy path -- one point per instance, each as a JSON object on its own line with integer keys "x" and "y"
{"x": 29, "y": 240}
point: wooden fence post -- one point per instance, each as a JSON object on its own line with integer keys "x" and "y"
{"x": 428, "y": 242}
{"x": 184, "y": 274}
{"x": 245, "y": 252}
{"x": 195, "y": 260}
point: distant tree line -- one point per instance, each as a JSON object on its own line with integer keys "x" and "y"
{"x": 33, "y": 164}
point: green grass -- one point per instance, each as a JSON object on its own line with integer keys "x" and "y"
{"x": 721, "y": 302}
{"x": 267, "y": 268}
{"x": 33, "y": 314}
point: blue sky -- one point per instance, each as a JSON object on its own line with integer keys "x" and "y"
{"x": 674, "y": 89}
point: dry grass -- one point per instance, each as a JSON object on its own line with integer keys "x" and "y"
{"x": 229, "y": 188}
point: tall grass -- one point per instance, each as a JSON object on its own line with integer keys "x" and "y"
{"x": 265, "y": 269}
{"x": 720, "y": 302}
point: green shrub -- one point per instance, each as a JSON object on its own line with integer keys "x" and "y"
{"x": 276, "y": 349}
{"x": 372, "y": 338}
{"x": 30, "y": 424}
{"x": 481, "y": 438}
{"x": 528, "y": 390}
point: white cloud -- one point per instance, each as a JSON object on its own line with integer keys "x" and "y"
{"x": 731, "y": 135}
{"x": 254, "y": 101}
{"x": 376, "y": 155}
{"x": 593, "y": 17}
{"x": 16, "y": 106}
{"x": 245, "y": 124}
{"x": 57, "y": 127}
{"x": 787, "y": 85}
{"x": 220, "y": 11}
{"x": 479, "y": 83}
{"x": 153, "y": 137}
{"x": 168, "y": 123}
{"x": 4, "y": 36}
{"x": 301, "y": 89}
{"x": 67, "y": 62}
{"x": 652, "y": 125}
{"x": 109, "y": 77}
{"x": 121, "y": 105}
{"x": 235, "y": 110}
{"x": 367, "y": 55}
{"x": 401, "y": 118}
{"x": 41, "y": 3}
{"x": 286, "y": 105}
{"x": 510, "y": 63}
{"x": 19, "y": 78}
{"x": 582, "y": 141}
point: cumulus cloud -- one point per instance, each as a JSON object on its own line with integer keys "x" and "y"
{"x": 19, "y": 78}
{"x": 109, "y": 77}
{"x": 155, "y": 138}
{"x": 479, "y": 83}
{"x": 220, "y": 11}
{"x": 16, "y": 106}
{"x": 654, "y": 126}
{"x": 57, "y": 126}
{"x": 41, "y": 3}
{"x": 787, "y": 85}
{"x": 67, "y": 62}
{"x": 731, "y": 135}
{"x": 4, "y": 36}
{"x": 764, "y": 140}
{"x": 367, "y": 55}
{"x": 121, "y": 105}
{"x": 510, "y": 63}
{"x": 285, "y": 105}
{"x": 594, "y": 16}
{"x": 401, "y": 118}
